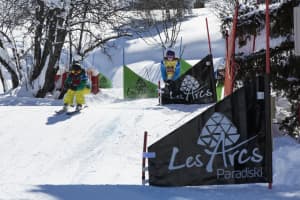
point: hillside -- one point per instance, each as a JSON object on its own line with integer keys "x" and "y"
{"x": 140, "y": 56}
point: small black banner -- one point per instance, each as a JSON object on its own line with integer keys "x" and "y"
{"x": 196, "y": 86}
{"x": 224, "y": 145}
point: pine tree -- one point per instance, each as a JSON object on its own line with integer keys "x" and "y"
{"x": 285, "y": 66}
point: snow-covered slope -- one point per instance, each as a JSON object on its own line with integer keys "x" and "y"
{"x": 140, "y": 55}
{"x": 97, "y": 153}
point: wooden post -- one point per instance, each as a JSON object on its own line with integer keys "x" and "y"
{"x": 144, "y": 159}
{"x": 254, "y": 43}
{"x": 208, "y": 36}
{"x": 230, "y": 60}
{"x": 268, "y": 97}
{"x": 226, "y": 38}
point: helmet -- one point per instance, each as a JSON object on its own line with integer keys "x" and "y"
{"x": 76, "y": 66}
{"x": 170, "y": 53}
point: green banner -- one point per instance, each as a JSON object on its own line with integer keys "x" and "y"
{"x": 136, "y": 86}
{"x": 219, "y": 87}
{"x": 104, "y": 82}
{"x": 184, "y": 66}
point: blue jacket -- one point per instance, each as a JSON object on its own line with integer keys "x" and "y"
{"x": 163, "y": 70}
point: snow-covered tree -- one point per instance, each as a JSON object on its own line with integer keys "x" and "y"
{"x": 92, "y": 23}
{"x": 7, "y": 63}
{"x": 12, "y": 16}
{"x": 162, "y": 18}
{"x": 224, "y": 9}
{"x": 79, "y": 25}
{"x": 49, "y": 25}
{"x": 285, "y": 73}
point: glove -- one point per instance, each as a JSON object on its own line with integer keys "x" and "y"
{"x": 67, "y": 85}
{"x": 169, "y": 82}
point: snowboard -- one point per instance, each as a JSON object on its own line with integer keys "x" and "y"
{"x": 74, "y": 112}
{"x": 70, "y": 112}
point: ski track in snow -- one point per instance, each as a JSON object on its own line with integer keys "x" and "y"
{"x": 81, "y": 141}
{"x": 98, "y": 153}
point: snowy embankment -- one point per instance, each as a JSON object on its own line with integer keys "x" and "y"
{"x": 144, "y": 58}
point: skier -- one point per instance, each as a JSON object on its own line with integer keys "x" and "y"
{"x": 76, "y": 83}
{"x": 170, "y": 69}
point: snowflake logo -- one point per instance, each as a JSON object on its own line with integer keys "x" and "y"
{"x": 218, "y": 128}
{"x": 189, "y": 84}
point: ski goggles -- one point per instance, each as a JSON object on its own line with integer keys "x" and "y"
{"x": 170, "y": 57}
{"x": 75, "y": 71}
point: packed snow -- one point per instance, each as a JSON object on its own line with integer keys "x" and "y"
{"x": 97, "y": 154}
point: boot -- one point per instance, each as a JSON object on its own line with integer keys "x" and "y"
{"x": 78, "y": 107}
{"x": 66, "y": 107}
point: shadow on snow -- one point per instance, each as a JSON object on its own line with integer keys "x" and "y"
{"x": 138, "y": 192}
{"x": 56, "y": 118}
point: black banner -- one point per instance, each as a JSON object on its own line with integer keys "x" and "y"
{"x": 196, "y": 86}
{"x": 224, "y": 145}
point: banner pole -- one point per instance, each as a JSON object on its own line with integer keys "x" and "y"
{"x": 159, "y": 93}
{"x": 123, "y": 56}
{"x": 268, "y": 98}
{"x": 254, "y": 43}
{"x": 208, "y": 36}
{"x": 180, "y": 48}
{"x": 226, "y": 38}
{"x": 144, "y": 158}
{"x": 230, "y": 60}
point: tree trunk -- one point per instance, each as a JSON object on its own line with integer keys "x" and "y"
{"x": 2, "y": 81}
{"x": 79, "y": 50}
{"x": 9, "y": 68}
{"x": 14, "y": 76}
{"x": 54, "y": 50}
{"x": 40, "y": 17}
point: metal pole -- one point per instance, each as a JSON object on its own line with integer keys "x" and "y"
{"x": 123, "y": 56}
{"x": 159, "y": 93}
{"x": 180, "y": 47}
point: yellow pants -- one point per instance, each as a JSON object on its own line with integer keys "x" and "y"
{"x": 86, "y": 90}
{"x": 78, "y": 95}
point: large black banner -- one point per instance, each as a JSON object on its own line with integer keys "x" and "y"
{"x": 224, "y": 145}
{"x": 196, "y": 86}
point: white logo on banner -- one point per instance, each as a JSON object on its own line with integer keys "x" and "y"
{"x": 220, "y": 137}
{"x": 191, "y": 88}
{"x": 218, "y": 128}
{"x": 189, "y": 84}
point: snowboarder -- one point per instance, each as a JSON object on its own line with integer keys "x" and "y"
{"x": 76, "y": 83}
{"x": 170, "y": 67}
